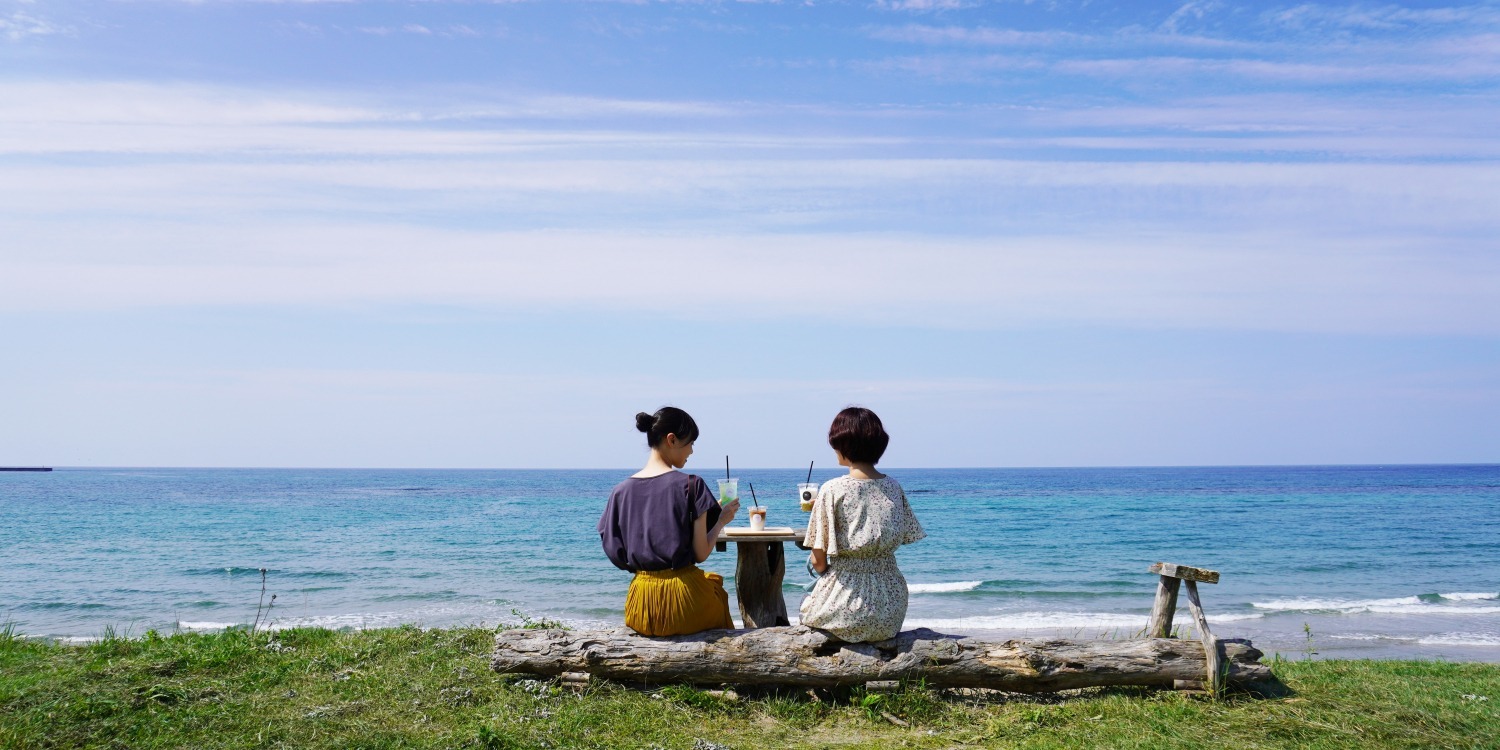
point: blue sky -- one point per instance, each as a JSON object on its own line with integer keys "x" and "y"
{"x": 485, "y": 234}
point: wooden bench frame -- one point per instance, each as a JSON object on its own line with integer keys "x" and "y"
{"x": 1172, "y": 576}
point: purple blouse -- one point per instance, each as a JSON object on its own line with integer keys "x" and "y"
{"x": 648, "y": 523}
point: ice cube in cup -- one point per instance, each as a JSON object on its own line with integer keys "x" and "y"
{"x": 758, "y": 518}
{"x": 729, "y": 489}
{"x": 806, "y": 493}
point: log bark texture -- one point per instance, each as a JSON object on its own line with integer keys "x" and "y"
{"x": 758, "y": 573}
{"x": 805, "y": 657}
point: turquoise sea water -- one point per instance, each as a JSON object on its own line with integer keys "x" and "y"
{"x": 1373, "y": 561}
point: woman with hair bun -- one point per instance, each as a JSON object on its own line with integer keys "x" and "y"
{"x": 857, "y": 523}
{"x": 659, "y": 524}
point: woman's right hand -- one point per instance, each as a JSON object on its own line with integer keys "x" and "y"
{"x": 728, "y": 510}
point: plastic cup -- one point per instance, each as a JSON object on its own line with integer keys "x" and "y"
{"x": 807, "y": 492}
{"x": 729, "y": 489}
{"x": 758, "y": 518}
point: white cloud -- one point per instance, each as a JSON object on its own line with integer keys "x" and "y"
{"x": 1383, "y": 18}
{"x": 947, "y": 67}
{"x": 1264, "y": 282}
{"x": 924, "y": 5}
{"x": 103, "y": 107}
{"x": 20, "y": 25}
{"x": 1331, "y": 71}
{"x": 300, "y": 199}
{"x": 1194, "y": 10}
{"x": 980, "y": 35}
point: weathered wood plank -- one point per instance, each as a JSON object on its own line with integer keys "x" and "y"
{"x": 812, "y": 658}
{"x": 1185, "y": 572}
{"x": 1164, "y": 608}
{"x": 1215, "y": 660}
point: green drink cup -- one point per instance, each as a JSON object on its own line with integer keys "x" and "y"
{"x": 729, "y": 489}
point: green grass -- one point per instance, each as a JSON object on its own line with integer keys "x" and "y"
{"x": 412, "y": 688}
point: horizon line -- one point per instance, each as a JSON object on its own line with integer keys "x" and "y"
{"x": 1387, "y": 464}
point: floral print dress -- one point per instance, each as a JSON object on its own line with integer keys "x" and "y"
{"x": 860, "y": 523}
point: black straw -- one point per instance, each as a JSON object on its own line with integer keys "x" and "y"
{"x": 726, "y": 467}
{"x": 809, "y": 473}
{"x": 752, "y": 494}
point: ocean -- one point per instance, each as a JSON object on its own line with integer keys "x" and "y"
{"x": 1316, "y": 561}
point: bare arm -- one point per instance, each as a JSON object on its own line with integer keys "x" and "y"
{"x": 820, "y": 559}
{"x": 703, "y": 537}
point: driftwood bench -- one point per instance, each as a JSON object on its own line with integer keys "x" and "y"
{"x": 799, "y": 656}
{"x": 805, "y": 657}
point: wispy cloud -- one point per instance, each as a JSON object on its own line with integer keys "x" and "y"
{"x": 924, "y": 6}
{"x": 20, "y": 25}
{"x": 59, "y": 117}
{"x": 1191, "y": 11}
{"x": 1429, "y": 47}
{"x": 1383, "y": 18}
{"x": 979, "y": 35}
{"x": 101, "y": 105}
{"x": 949, "y": 67}
{"x": 1311, "y": 73}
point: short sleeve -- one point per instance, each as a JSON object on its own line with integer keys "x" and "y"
{"x": 912, "y": 528}
{"x": 821, "y": 530}
{"x": 610, "y": 536}
{"x": 701, "y": 500}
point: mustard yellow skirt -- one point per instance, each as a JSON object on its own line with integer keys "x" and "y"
{"x": 676, "y": 602}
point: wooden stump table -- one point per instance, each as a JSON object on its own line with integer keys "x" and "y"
{"x": 759, "y": 568}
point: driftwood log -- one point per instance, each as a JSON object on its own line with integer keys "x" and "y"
{"x": 758, "y": 571}
{"x": 805, "y": 657}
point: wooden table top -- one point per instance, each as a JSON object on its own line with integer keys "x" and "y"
{"x": 744, "y": 534}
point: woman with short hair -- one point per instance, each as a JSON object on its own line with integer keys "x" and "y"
{"x": 857, "y": 523}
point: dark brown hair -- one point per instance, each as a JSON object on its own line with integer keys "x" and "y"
{"x": 668, "y": 420}
{"x": 858, "y": 435}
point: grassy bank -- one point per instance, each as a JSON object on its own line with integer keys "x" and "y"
{"x": 409, "y": 688}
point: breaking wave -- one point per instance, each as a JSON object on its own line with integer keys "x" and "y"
{"x": 943, "y": 588}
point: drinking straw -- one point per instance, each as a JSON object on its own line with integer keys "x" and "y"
{"x": 752, "y": 494}
{"x": 809, "y": 472}
{"x": 726, "y": 467}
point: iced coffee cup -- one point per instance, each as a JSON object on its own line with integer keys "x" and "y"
{"x": 758, "y": 518}
{"x": 806, "y": 494}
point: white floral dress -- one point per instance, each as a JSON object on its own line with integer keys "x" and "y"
{"x": 860, "y": 523}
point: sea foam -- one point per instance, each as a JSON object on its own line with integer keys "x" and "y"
{"x": 1031, "y": 621}
{"x": 1461, "y": 639}
{"x": 943, "y": 588}
{"x": 201, "y": 626}
{"x": 1402, "y": 605}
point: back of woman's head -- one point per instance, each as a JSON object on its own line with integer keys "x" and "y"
{"x": 668, "y": 420}
{"x": 858, "y": 435}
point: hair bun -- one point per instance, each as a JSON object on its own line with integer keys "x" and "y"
{"x": 644, "y": 421}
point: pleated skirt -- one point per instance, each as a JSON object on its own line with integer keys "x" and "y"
{"x": 676, "y": 602}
